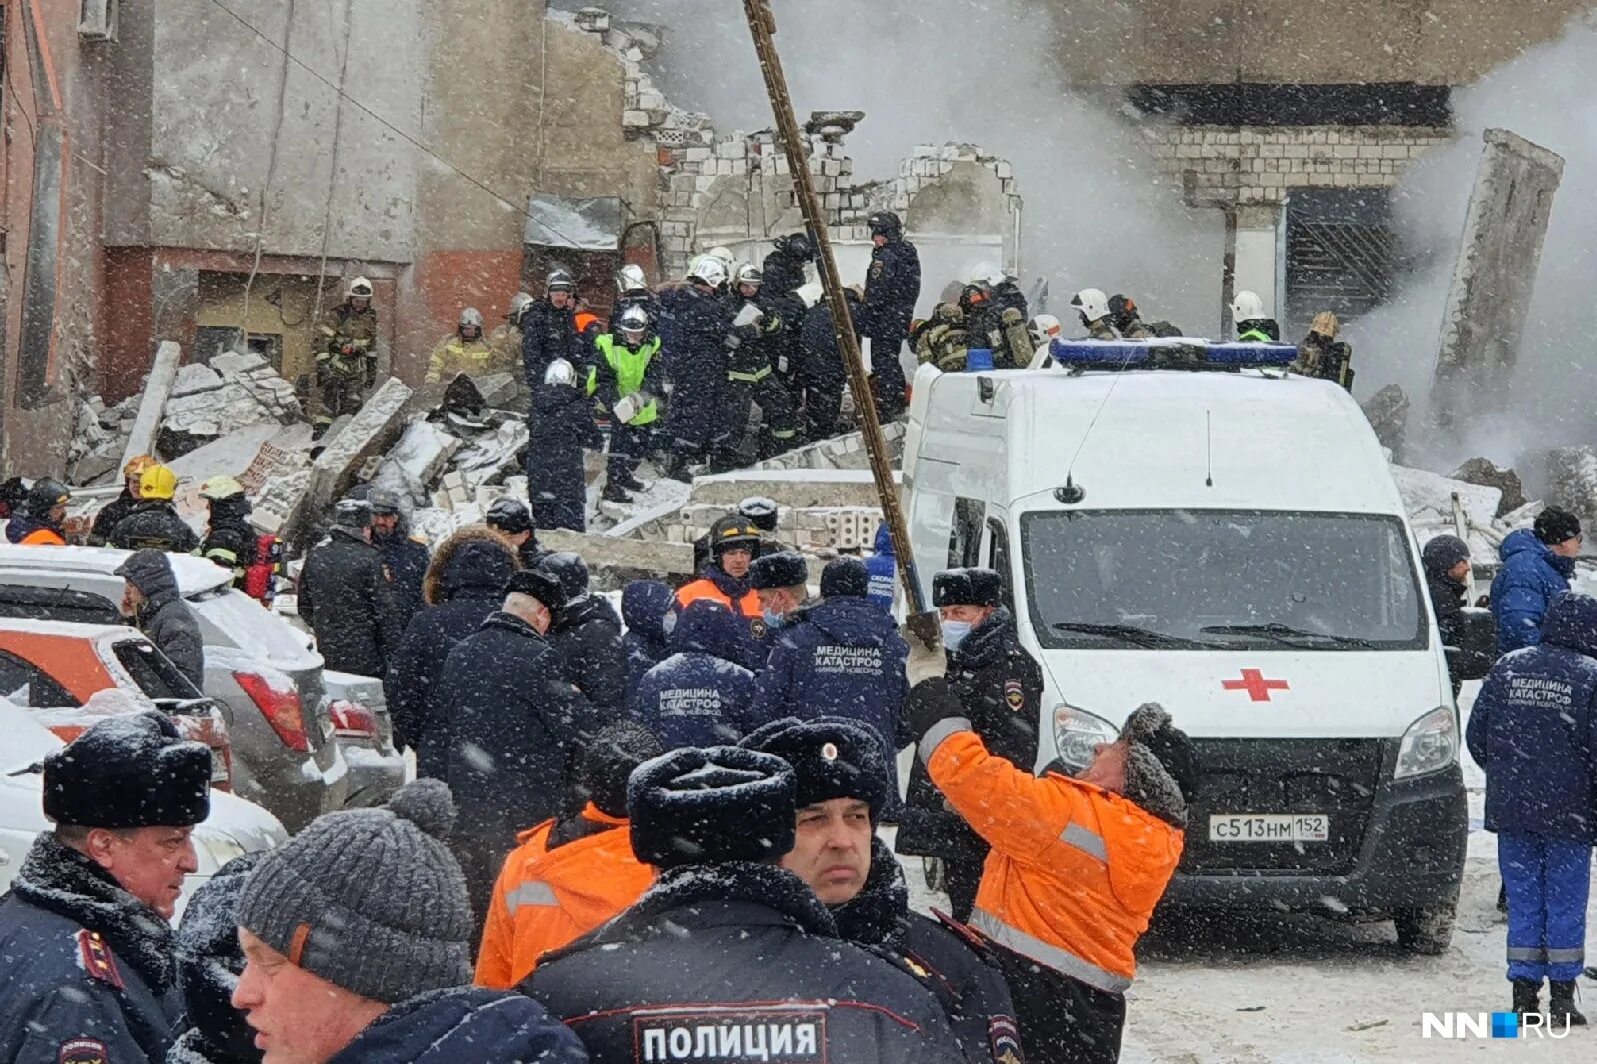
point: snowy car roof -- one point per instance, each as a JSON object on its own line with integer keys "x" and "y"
{"x": 194, "y": 575}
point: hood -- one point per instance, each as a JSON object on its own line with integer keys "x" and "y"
{"x": 150, "y": 572}
{"x": 644, "y": 605}
{"x": 588, "y": 609}
{"x": 464, "y": 1023}
{"x": 475, "y": 559}
{"x": 1524, "y": 542}
{"x": 1571, "y": 623}
{"x": 707, "y": 627}
{"x": 852, "y": 621}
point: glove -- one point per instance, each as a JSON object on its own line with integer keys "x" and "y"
{"x": 927, "y": 658}
{"x": 627, "y": 409}
{"x": 810, "y": 293}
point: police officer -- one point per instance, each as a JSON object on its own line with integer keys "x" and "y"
{"x": 511, "y": 519}
{"x": 999, "y": 685}
{"x": 549, "y": 330}
{"x": 466, "y": 351}
{"x": 405, "y": 556}
{"x": 154, "y": 523}
{"x": 630, "y": 381}
{"x": 695, "y": 319}
{"x": 229, "y": 539}
{"x": 113, "y": 512}
{"x": 892, "y": 287}
{"x": 844, "y": 786}
{"x": 757, "y": 331}
{"x": 347, "y": 596}
{"x": 728, "y": 952}
{"x": 89, "y": 968}
{"x": 346, "y": 361}
{"x": 1092, "y": 306}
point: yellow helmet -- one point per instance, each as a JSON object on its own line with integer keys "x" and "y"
{"x": 158, "y": 482}
{"x": 220, "y": 488}
{"x": 1326, "y": 325}
{"x": 136, "y": 466}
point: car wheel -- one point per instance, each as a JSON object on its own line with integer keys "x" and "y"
{"x": 1427, "y": 931}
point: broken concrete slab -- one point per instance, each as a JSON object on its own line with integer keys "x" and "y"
{"x": 423, "y": 451}
{"x": 1387, "y": 411}
{"x": 1523, "y": 517}
{"x": 493, "y": 456}
{"x": 157, "y": 389}
{"x": 1432, "y": 499}
{"x": 1485, "y": 472}
{"x": 498, "y": 390}
{"x": 233, "y": 363}
{"x": 370, "y": 432}
{"x": 792, "y": 488}
{"x": 194, "y": 378}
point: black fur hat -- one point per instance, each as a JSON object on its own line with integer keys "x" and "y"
{"x": 845, "y": 578}
{"x": 833, "y": 757}
{"x": 784, "y": 569}
{"x": 710, "y": 806}
{"x": 129, "y": 772}
{"x": 968, "y": 587}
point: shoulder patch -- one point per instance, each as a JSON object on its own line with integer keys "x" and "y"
{"x": 1014, "y": 694}
{"x": 97, "y": 960}
{"x": 1005, "y": 1038}
{"x": 877, "y": 267}
{"x": 973, "y": 940}
{"x": 83, "y": 1051}
{"x": 759, "y": 627}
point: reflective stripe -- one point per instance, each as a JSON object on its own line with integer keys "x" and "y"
{"x": 532, "y": 893}
{"x": 1566, "y": 956}
{"x": 1044, "y": 953}
{"x": 788, "y": 435}
{"x": 1086, "y": 840}
{"x": 749, "y": 378}
{"x": 1526, "y": 953}
{"x": 938, "y": 732}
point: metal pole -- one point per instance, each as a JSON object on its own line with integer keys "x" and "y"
{"x": 762, "y": 24}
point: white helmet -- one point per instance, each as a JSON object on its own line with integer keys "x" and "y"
{"x": 1043, "y": 327}
{"x": 1092, "y": 303}
{"x": 560, "y": 372}
{"x": 724, "y": 254}
{"x": 518, "y": 306}
{"x": 471, "y": 318}
{"x": 710, "y": 270}
{"x": 990, "y": 275}
{"x": 1247, "y": 306}
{"x": 359, "y": 288}
{"x": 634, "y": 320}
{"x": 630, "y": 278}
{"x": 749, "y": 274}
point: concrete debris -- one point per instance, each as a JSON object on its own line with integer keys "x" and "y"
{"x": 372, "y": 431}
{"x": 1388, "y": 411}
{"x": 152, "y": 402}
{"x": 1487, "y": 473}
{"x": 210, "y": 401}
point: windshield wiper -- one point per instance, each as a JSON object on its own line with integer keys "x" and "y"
{"x": 1286, "y": 635}
{"x": 1130, "y": 633}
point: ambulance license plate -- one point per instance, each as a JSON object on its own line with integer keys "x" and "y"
{"x": 1269, "y": 827}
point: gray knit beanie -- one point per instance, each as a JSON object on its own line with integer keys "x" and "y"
{"x": 369, "y": 899}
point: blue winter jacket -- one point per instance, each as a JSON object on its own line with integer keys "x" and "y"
{"x": 841, "y": 657}
{"x": 644, "y": 606}
{"x": 1534, "y": 730}
{"x": 699, "y": 696}
{"x": 1531, "y": 577}
{"x": 464, "y": 1025}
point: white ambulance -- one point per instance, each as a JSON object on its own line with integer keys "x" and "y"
{"x": 1197, "y": 527}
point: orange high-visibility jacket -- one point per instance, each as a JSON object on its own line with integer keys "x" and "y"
{"x": 546, "y": 899}
{"x": 43, "y": 537}
{"x": 748, "y": 605}
{"x": 1075, "y": 871}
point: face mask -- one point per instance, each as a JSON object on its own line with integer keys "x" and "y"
{"x": 954, "y": 633}
{"x": 774, "y": 619}
{"x": 669, "y": 624}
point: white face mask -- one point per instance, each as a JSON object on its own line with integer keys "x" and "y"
{"x": 955, "y": 633}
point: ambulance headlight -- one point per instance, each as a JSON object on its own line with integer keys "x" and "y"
{"x": 1077, "y": 733}
{"x": 1429, "y": 745}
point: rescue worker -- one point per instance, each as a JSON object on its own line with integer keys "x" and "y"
{"x": 1322, "y": 355}
{"x": 784, "y": 264}
{"x": 942, "y": 340}
{"x": 506, "y": 339}
{"x": 632, "y": 290}
{"x": 728, "y": 951}
{"x": 209, "y": 962}
{"x": 512, "y": 519}
{"x": 346, "y": 595}
{"x": 1092, "y": 306}
{"x": 761, "y": 512}
{"x": 151, "y": 600}
{"x": 511, "y": 724}
{"x": 230, "y": 540}
{"x": 752, "y": 380}
{"x": 781, "y": 580}
{"x": 1003, "y": 323}
{"x": 630, "y": 381}
{"x": 113, "y": 512}
{"x": 586, "y": 635}
{"x": 154, "y": 522}
{"x": 561, "y": 428}
{"x": 844, "y": 787}
{"x": 1253, "y": 326}
{"x": 1077, "y": 864}
{"x": 1534, "y": 731}
{"x": 549, "y": 331}
{"x": 466, "y": 351}
{"x": 701, "y": 695}
{"x": 822, "y": 372}
{"x": 357, "y": 937}
{"x": 405, "y": 556}
{"x": 1044, "y": 329}
{"x": 999, "y": 685}
{"x": 346, "y": 358}
{"x": 1006, "y": 293}
{"x": 693, "y": 325}
{"x": 1126, "y": 319}
{"x": 784, "y": 273}
{"x": 1447, "y": 569}
{"x": 649, "y": 609}
{"x": 42, "y": 516}
{"x": 734, "y": 541}
{"x": 89, "y": 971}
{"x": 840, "y": 657}
{"x": 464, "y": 586}
{"x": 892, "y": 288}
{"x": 569, "y": 875}
{"x": 882, "y": 568}
{"x": 1538, "y": 563}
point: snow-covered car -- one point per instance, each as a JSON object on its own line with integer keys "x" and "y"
{"x": 289, "y": 754}
{"x": 234, "y": 827}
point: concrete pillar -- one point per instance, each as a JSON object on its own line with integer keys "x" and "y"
{"x": 1257, "y": 242}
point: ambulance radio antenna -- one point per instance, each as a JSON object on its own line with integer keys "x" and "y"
{"x": 1208, "y": 425}
{"x": 1074, "y": 492}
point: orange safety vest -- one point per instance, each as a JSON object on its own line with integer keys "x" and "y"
{"x": 1075, "y": 871}
{"x": 545, "y": 899}
{"x": 43, "y": 537}
{"x": 748, "y": 605}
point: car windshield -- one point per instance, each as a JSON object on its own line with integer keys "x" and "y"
{"x": 1212, "y": 579}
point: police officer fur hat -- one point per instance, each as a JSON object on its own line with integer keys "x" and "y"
{"x": 712, "y": 805}
{"x": 967, "y": 587}
{"x": 784, "y": 569}
{"x": 832, "y": 757}
{"x": 1161, "y": 765}
{"x": 129, "y": 772}
{"x": 1554, "y": 526}
{"x": 609, "y": 761}
{"x": 540, "y": 584}
{"x": 845, "y": 578}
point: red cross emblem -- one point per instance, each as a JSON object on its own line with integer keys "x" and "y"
{"x": 1254, "y": 683}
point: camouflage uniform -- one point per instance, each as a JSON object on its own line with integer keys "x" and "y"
{"x": 346, "y": 360}
{"x": 474, "y": 358}
{"x": 942, "y": 339}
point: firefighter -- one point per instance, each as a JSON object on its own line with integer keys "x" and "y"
{"x": 466, "y": 351}
{"x": 1253, "y": 326}
{"x": 1123, "y": 315}
{"x": 154, "y": 522}
{"x": 943, "y": 340}
{"x": 632, "y": 290}
{"x": 229, "y": 540}
{"x": 112, "y": 513}
{"x": 693, "y": 324}
{"x": 549, "y": 330}
{"x": 1093, "y": 308}
{"x": 1322, "y": 355}
{"x": 346, "y": 360}
{"x": 757, "y": 332}
{"x": 630, "y": 376}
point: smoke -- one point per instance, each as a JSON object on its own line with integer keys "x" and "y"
{"x": 1097, "y": 211}
{"x": 1543, "y": 95}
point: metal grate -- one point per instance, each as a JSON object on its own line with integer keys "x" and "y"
{"x": 1339, "y": 254}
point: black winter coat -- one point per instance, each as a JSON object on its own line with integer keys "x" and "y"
{"x": 164, "y": 616}
{"x": 561, "y": 427}
{"x": 586, "y": 635}
{"x": 784, "y": 273}
{"x": 346, "y": 597}
{"x": 407, "y": 561}
{"x": 548, "y": 333}
{"x": 1000, "y": 686}
{"x": 156, "y": 525}
{"x": 89, "y": 970}
{"x": 511, "y": 724}
{"x": 111, "y": 514}
{"x": 693, "y": 328}
{"x": 700, "y": 695}
{"x": 229, "y": 539}
{"x": 723, "y": 957}
{"x": 822, "y": 366}
{"x": 892, "y": 288}
{"x": 644, "y": 606}
{"x": 464, "y": 1025}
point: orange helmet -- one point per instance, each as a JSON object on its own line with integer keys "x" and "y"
{"x": 136, "y": 466}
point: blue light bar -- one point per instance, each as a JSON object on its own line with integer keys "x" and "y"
{"x": 1174, "y": 350}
